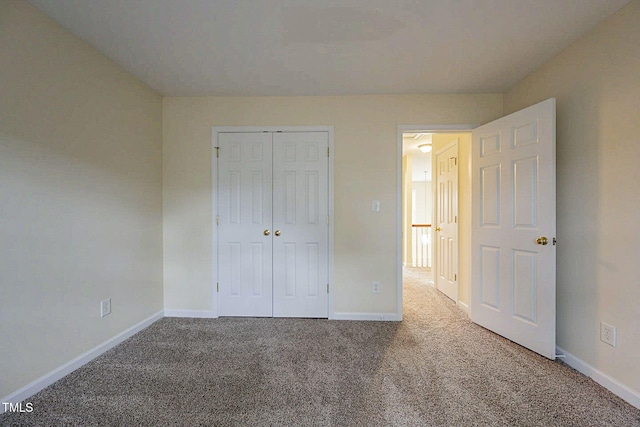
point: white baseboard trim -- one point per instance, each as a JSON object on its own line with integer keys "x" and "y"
{"x": 464, "y": 307}
{"x": 393, "y": 317}
{"x": 616, "y": 387}
{"x": 53, "y": 376}
{"x": 197, "y": 314}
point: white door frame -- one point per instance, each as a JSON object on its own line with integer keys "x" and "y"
{"x": 215, "y": 130}
{"x": 399, "y": 131}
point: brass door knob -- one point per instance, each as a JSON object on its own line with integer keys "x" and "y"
{"x": 542, "y": 240}
{"x": 437, "y": 228}
{"x": 277, "y": 232}
{"x": 266, "y": 232}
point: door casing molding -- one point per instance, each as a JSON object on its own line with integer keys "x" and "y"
{"x": 215, "y": 130}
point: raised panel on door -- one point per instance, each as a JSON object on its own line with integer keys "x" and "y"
{"x": 244, "y": 200}
{"x": 513, "y": 203}
{"x": 300, "y": 209}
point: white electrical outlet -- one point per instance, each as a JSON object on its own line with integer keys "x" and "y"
{"x": 608, "y": 334}
{"x": 105, "y": 307}
{"x": 375, "y": 287}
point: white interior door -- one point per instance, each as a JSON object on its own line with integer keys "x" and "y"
{"x": 446, "y": 230}
{"x": 244, "y": 224}
{"x": 513, "y": 227}
{"x": 273, "y": 257}
{"x": 300, "y": 209}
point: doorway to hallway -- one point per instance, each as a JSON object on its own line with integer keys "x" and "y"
{"x": 506, "y": 279}
{"x": 436, "y": 198}
{"x": 417, "y": 201}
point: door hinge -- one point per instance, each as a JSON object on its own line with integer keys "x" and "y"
{"x": 327, "y": 288}
{"x": 455, "y": 160}
{"x": 455, "y": 277}
{"x": 217, "y": 220}
{"x": 456, "y": 219}
{"x": 327, "y": 219}
{"x": 217, "y": 151}
{"x": 217, "y": 287}
{"x": 327, "y": 151}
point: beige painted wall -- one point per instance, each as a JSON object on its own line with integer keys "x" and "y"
{"x": 80, "y": 197}
{"x": 596, "y": 83}
{"x": 365, "y": 169}
{"x": 464, "y": 208}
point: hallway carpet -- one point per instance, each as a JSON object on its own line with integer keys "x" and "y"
{"x": 435, "y": 368}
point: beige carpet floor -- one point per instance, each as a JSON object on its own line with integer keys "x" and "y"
{"x": 435, "y": 368}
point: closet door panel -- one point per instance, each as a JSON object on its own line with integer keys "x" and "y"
{"x": 244, "y": 200}
{"x": 300, "y": 209}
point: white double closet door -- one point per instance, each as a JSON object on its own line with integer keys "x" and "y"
{"x": 272, "y": 224}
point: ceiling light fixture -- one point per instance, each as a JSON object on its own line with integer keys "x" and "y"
{"x": 425, "y": 148}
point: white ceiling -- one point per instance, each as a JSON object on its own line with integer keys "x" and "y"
{"x": 328, "y": 47}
